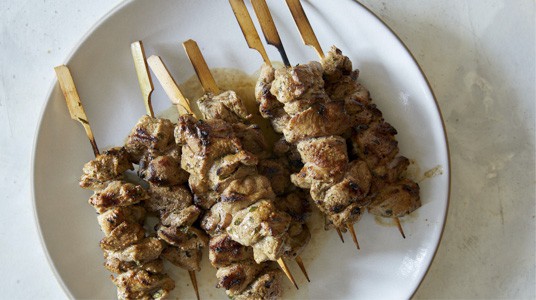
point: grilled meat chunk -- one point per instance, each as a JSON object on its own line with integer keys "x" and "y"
{"x": 225, "y": 106}
{"x": 140, "y": 284}
{"x": 269, "y": 107}
{"x": 184, "y": 238}
{"x": 325, "y": 158}
{"x": 162, "y": 169}
{"x": 223, "y": 251}
{"x": 117, "y": 266}
{"x": 396, "y": 199}
{"x": 117, "y": 194}
{"x": 236, "y": 277}
{"x": 146, "y": 250}
{"x": 149, "y": 134}
{"x": 112, "y": 218}
{"x": 267, "y": 286}
{"x": 108, "y": 166}
{"x": 167, "y": 198}
{"x": 123, "y": 236}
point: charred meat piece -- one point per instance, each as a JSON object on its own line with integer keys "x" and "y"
{"x": 149, "y": 134}
{"x": 225, "y": 106}
{"x": 162, "y": 169}
{"x": 224, "y": 251}
{"x": 140, "y": 284}
{"x": 106, "y": 167}
{"x": 123, "y": 236}
{"x": 236, "y": 277}
{"x": 117, "y": 194}
{"x": 396, "y": 199}
{"x": 184, "y": 238}
{"x": 112, "y": 218}
{"x": 146, "y": 250}
{"x": 267, "y": 286}
{"x": 168, "y": 198}
{"x": 117, "y": 266}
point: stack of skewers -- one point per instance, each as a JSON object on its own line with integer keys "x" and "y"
{"x": 213, "y": 180}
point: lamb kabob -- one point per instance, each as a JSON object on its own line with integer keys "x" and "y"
{"x": 151, "y": 145}
{"x": 225, "y": 180}
{"x": 128, "y": 251}
{"x": 372, "y": 138}
{"x": 317, "y": 107}
{"x": 238, "y": 273}
{"x": 215, "y": 105}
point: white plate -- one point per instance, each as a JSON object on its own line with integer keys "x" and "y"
{"x": 387, "y": 265}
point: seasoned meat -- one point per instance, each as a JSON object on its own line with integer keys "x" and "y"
{"x": 325, "y": 159}
{"x": 146, "y": 250}
{"x": 123, "y": 236}
{"x": 252, "y": 139}
{"x": 185, "y": 259}
{"x": 112, "y": 218}
{"x": 303, "y": 82}
{"x": 117, "y": 266}
{"x": 223, "y": 251}
{"x": 236, "y": 277}
{"x": 376, "y": 143}
{"x": 108, "y": 166}
{"x": 276, "y": 170}
{"x": 184, "y": 217}
{"x": 149, "y": 134}
{"x": 168, "y": 198}
{"x": 162, "y": 170}
{"x": 244, "y": 192}
{"x": 140, "y": 284}
{"x": 225, "y": 106}
{"x": 267, "y": 286}
{"x": 396, "y": 200}
{"x": 117, "y": 194}
{"x": 262, "y": 226}
{"x": 184, "y": 238}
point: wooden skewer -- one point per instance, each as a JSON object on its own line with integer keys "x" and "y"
{"x": 397, "y": 221}
{"x": 194, "y": 283}
{"x": 146, "y": 86}
{"x": 285, "y": 269}
{"x": 340, "y": 234}
{"x": 170, "y": 86}
{"x": 354, "y": 237}
{"x": 268, "y": 28}
{"x": 248, "y": 28}
{"x": 209, "y": 85}
{"x": 299, "y": 261}
{"x": 306, "y": 31}
{"x": 144, "y": 79}
{"x": 74, "y": 104}
{"x": 200, "y": 66}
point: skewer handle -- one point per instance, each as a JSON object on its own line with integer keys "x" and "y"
{"x": 170, "y": 86}
{"x": 201, "y": 68}
{"x": 285, "y": 269}
{"x": 73, "y": 102}
{"x": 306, "y": 31}
{"x": 268, "y": 28}
{"x": 248, "y": 28}
{"x": 144, "y": 79}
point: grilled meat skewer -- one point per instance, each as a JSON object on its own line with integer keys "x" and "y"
{"x": 151, "y": 145}
{"x": 127, "y": 250}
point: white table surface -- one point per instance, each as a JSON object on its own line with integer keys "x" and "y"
{"x": 479, "y": 57}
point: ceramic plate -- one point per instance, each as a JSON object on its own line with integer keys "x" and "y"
{"x": 386, "y": 267}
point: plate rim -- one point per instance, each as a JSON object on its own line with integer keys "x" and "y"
{"x": 120, "y": 6}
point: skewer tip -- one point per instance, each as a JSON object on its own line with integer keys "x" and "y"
{"x": 299, "y": 261}
{"x": 397, "y": 221}
{"x": 285, "y": 269}
{"x": 194, "y": 283}
{"x": 340, "y": 234}
{"x": 354, "y": 237}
